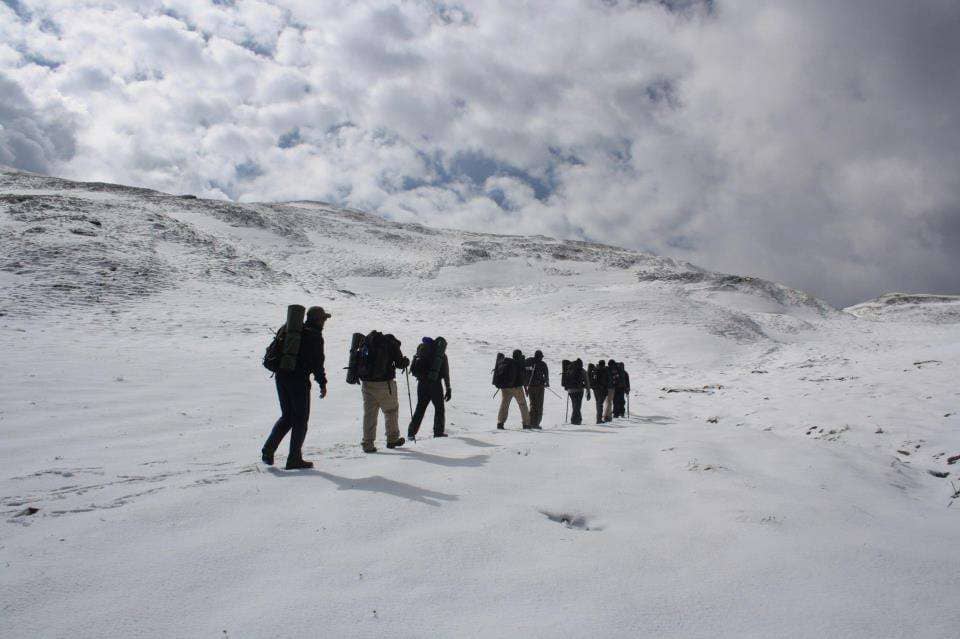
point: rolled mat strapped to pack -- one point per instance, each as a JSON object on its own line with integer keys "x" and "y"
{"x": 352, "y": 364}
{"x": 291, "y": 340}
{"x": 439, "y": 350}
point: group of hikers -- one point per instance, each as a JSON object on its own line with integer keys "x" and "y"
{"x": 297, "y": 352}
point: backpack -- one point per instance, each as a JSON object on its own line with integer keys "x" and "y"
{"x": 420, "y": 365}
{"x": 615, "y": 377}
{"x": 374, "y": 361}
{"x": 594, "y": 375}
{"x": 566, "y": 374}
{"x": 436, "y": 363}
{"x": 274, "y": 352}
{"x": 503, "y": 372}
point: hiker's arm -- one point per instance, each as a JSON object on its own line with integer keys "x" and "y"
{"x": 318, "y": 361}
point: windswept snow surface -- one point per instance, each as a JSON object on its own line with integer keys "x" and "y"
{"x": 776, "y": 477}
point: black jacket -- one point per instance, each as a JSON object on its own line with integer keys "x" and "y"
{"x": 310, "y": 358}
{"x": 536, "y": 373}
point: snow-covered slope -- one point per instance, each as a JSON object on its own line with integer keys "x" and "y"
{"x": 781, "y": 473}
{"x": 901, "y": 307}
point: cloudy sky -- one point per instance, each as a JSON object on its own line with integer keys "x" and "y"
{"x": 812, "y": 142}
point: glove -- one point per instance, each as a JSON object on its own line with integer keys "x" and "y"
{"x": 447, "y": 397}
{"x": 323, "y": 392}
{"x": 404, "y": 362}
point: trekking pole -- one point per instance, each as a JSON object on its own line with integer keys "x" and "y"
{"x": 409, "y": 401}
{"x": 566, "y": 411}
{"x": 495, "y": 393}
{"x": 553, "y": 391}
{"x": 628, "y": 404}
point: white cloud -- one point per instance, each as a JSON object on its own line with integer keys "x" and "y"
{"x": 814, "y": 143}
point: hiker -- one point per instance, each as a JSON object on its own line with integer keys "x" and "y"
{"x": 537, "y": 378}
{"x": 574, "y": 380}
{"x": 621, "y": 389}
{"x": 293, "y": 390}
{"x": 508, "y": 377}
{"x": 599, "y": 380}
{"x": 380, "y": 358}
{"x": 432, "y": 371}
{"x": 613, "y": 376}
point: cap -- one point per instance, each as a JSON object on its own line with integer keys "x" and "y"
{"x": 316, "y": 313}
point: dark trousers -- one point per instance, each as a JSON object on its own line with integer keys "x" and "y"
{"x": 294, "y": 392}
{"x": 619, "y": 402}
{"x": 428, "y": 392}
{"x": 536, "y": 404}
{"x": 600, "y": 395}
{"x": 576, "y": 400}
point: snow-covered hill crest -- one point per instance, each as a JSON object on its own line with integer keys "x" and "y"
{"x": 71, "y": 243}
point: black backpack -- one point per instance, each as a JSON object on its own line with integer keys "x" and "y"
{"x": 374, "y": 361}
{"x": 422, "y": 360}
{"x": 594, "y": 375}
{"x": 615, "y": 378}
{"x": 566, "y": 374}
{"x": 504, "y": 373}
{"x": 274, "y": 352}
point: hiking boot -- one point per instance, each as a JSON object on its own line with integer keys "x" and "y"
{"x": 397, "y": 444}
{"x": 439, "y": 434}
{"x": 298, "y": 464}
{"x": 368, "y": 447}
{"x": 499, "y": 426}
{"x": 535, "y": 427}
{"x": 267, "y": 457}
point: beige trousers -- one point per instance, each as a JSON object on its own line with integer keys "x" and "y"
{"x": 380, "y": 396}
{"x": 608, "y": 405}
{"x": 506, "y": 394}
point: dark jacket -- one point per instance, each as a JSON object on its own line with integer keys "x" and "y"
{"x": 310, "y": 358}
{"x": 536, "y": 372}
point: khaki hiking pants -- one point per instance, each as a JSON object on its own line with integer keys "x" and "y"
{"x": 507, "y": 394}
{"x": 380, "y": 396}
{"x": 608, "y": 405}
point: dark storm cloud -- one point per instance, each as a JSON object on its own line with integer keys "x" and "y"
{"x": 30, "y": 139}
{"x": 815, "y": 143}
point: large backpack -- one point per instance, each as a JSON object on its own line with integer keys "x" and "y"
{"x": 422, "y": 359}
{"x": 374, "y": 358}
{"x": 504, "y": 373}
{"x": 566, "y": 374}
{"x": 370, "y": 357}
{"x": 284, "y": 349}
{"x": 615, "y": 378}
{"x": 594, "y": 374}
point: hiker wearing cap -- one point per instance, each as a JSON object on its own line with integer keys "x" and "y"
{"x": 293, "y": 390}
{"x": 536, "y": 378}
{"x": 432, "y": 371}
